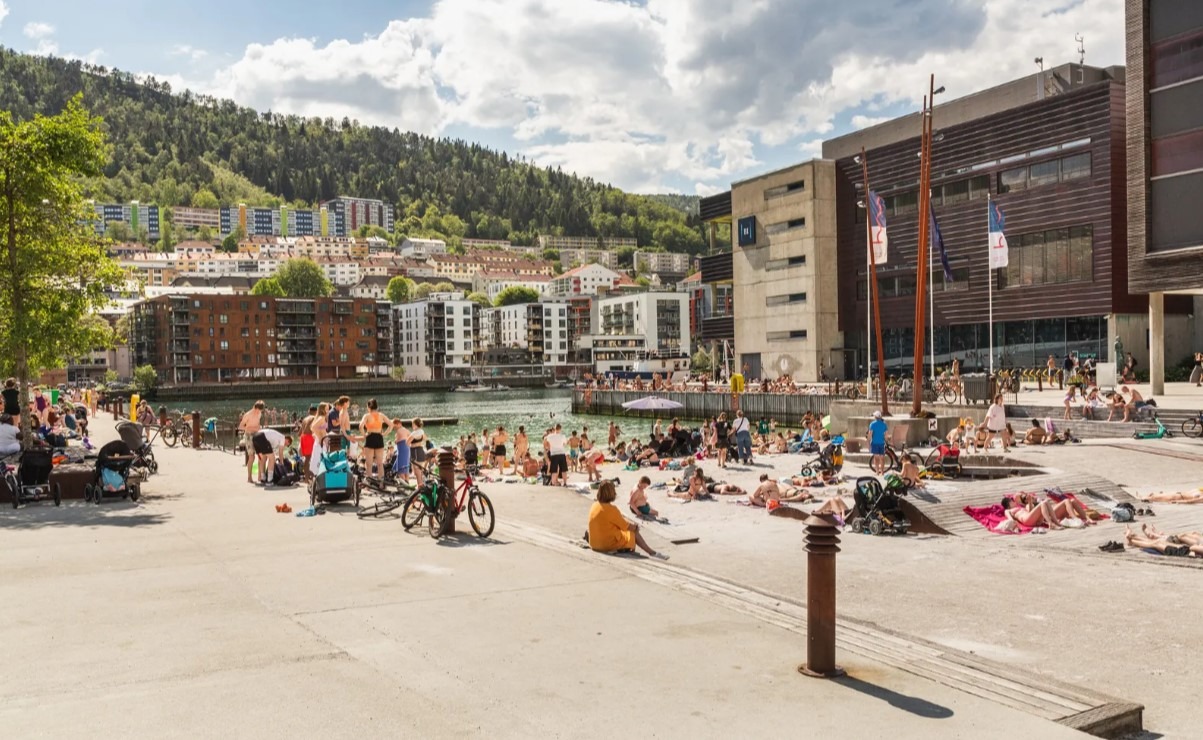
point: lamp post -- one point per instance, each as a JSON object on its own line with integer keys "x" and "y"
{"x": 924, "y": 227}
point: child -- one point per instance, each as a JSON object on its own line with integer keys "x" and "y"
{"x": 639, "y": 503}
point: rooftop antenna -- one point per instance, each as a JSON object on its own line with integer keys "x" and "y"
{"x": 1040, "y": 78}
{"x": 1081, "y": 48}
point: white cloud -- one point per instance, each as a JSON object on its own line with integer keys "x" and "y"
{"x": 3, "y": 12}
{"x": 685, "y": 91}
{"x": 185, "y": 50}
{"x": 862, "y": 121}
{"x": 37, "y": 30}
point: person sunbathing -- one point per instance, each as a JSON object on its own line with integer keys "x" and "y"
{"x": 1166, "y": 544}
{"x": 769, "y": 490}
{"x": 1192, "y": 497}
{"x": 1025, "y": 511}
{"x": 638, "y": 502}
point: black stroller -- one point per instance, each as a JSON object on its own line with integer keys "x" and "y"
{"x": 878, "y": 510}
{"x": 131, "y": 434}
{"x": 830, "y": 460}
{"x": 31, "y": 480}
{"x": 113, "y": 464}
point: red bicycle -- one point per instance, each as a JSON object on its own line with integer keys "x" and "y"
{"x": 431, "y": 501}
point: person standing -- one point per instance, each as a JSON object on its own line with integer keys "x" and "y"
{"x": 521, "y": 446}
{"x": 721, "y": 442}
{"x": 401, "y": 441}
{"x": 250, "y": 424}
{"x": 499, "y": 451}
{"x": 372, "y": 428}
{"x": 996, "y": 422}
{"x": 743, "y": 438}
{"x": 1196, "y": 375}
{"x": 877, "y": 443}
{"x": 557, "y": 451}
{"x": 417, "y": 450}
{"x": 267, "y": 443}
{"x": 307, "y": 440}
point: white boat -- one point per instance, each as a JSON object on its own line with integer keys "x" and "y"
{"x": 475, "y": 386}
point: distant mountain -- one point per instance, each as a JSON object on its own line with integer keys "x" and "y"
{"x": 183, "y": 149}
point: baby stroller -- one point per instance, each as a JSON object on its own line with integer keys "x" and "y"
{"x": 830, "y": 460}
{"x": 113, "y": 464}
{"x": 131, "y": 434}
{"x": 878, "y": 510}
{"x": 30, "y": 481}
{"x": 945, "y": 460}
{"x": 334, "y": 482}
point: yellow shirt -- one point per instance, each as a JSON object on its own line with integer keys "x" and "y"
{"x": 608, "y": 529}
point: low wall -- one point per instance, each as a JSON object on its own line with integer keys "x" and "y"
{"x": 332, "y": 387}
{"x": 787, "y": 409}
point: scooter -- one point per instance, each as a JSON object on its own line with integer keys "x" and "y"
{"x": 1161, "y": 431}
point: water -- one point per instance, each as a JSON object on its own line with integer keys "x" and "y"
{"x": 534, "y": 408}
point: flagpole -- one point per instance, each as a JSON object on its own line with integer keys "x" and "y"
{"x": 990, "y": 282}
{"x": 931, "y": 303}
{"x": 875, "y": 304}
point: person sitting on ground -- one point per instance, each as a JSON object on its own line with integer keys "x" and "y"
{"x": 1036, "y": 435}
{"x": 1173, "y": 545}
{"x": 769, "y": 490}
{"x": 10, "y": 435}
{"x": 639, "y": 504}
{"x": 1136, "y": 402}
{"x": 609, "y": 530}
{"x": 1008, "y": 436}
{"x": 1116, "y": 403}
{"x": 1191, "y": 497}
{"x": 956, "y": 438}
{"x": 1090, "y": 403}
{"x": 696, "y": 487}
{"x": 910, "y": 470}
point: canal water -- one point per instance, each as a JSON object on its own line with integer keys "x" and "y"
{"x": 534, "y": 408}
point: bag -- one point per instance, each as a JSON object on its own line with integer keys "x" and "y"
{"x": 1007, "y": 526}
{"x": 1122, "y": 514}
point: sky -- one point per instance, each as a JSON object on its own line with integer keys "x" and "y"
{"x": 650, "y": 95}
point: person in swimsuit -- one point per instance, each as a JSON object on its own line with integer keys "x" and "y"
{"x": 372, "y": 427}
{"x": 250, "y": 424}
{"x": 1187, "y": 544}
{"x": 1193, "y": 497}
{"x": 337, "y": 424}
{"x": 639, "y": 504}
{"x": 721, "y": 441}
{"x": 521, "y": 447}
{"x": 574, "y": 450}
{"x": 401, "y": 440}
{"x": 417, "y": 450}
{"x": 499, "y": 451}
{"x": 306, "y": 429}
{"x": 1026, "y": 511}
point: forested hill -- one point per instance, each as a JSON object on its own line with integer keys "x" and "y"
{"x": 182, "y": 149}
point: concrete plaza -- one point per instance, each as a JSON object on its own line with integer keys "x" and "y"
{"x": 202, "y": 612}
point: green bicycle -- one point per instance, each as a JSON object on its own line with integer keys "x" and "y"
{"x": 432, "y": 501}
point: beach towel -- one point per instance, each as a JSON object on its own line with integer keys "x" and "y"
{"x": 990, "y": 516}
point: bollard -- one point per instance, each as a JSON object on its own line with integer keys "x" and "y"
{"x": 1061, "y": 380}
{"x": 120, "y": 409}
{"x": 162, "y": 416}
{"x": 447, "y": 479}
{"x": 1040, "y": 381}
{"x": 196, "y": 430}
{"x": 822, "y": 543}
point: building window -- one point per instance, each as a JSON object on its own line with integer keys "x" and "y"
{"x": 1044, "y": 173}
{"x": 797, "y": 261}
{"x": 1013, "y": 180}
{"x": 780, "y": 190}
{"x": 1075, "y": 167}
{"x": 959, "y": 283}
{"x": 223, "y": 319}
{"x": 1050, "y": 257}
{"x": 785, "y": 336}
{"x": 777, "y": 228}
{"x": 952, "y": 192}
{"x": 780, "y": 300}
{"x": 224, "y": 345}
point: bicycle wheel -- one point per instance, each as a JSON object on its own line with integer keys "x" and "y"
{"x": 933, "y": 458}
{"x": 895, "y": 462}
{"x": 169, "y": 436}
{"x": 380, "y": 508}
{"x": 1192, "y": 427}
{"x": 413, "y": 512}
{"x": 436, "y": 517}
{"x": 949, "y": 395}
{"x": 480, "y": 513}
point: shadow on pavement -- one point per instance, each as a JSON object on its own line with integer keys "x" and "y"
{"x": 78, "y": 515}
{"x": 468, "y": 539}
{"x": 912, "y": 704}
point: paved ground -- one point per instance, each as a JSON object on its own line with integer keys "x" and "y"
{"x": 203, "y": 612}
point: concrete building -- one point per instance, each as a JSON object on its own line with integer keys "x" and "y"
{"x": 374, "y": 287}
{"x": 492, "y": 282}
{"x": 283, "y": 221}
{"x": 1049, "y": 151}
{"x": 192, "y": 338}
{"x": 137, "y": 216}
{"x": 583, "y": 280}
{"x": 570, "y": 257}
{"x": 435, "y": 338}
{"x": 663, "y": 263}
{"x": 348, "y": 214}
{"x": 786, "y": 312}
{"x": 641, "y": 332}
{"x": 183, "y": 217}
{"x": 534, "y": 334}
{"x": 454, "y": 267}
{"x": 1165, "y": 174}
{"x": 94, "y": 365}
{"x": 422, "y": 249}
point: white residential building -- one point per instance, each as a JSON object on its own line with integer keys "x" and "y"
{"x": 371, "y": 286}
{"x": 667, "y": 263}
{"x": 541, "y": 329}
{"x": 576, "y": 257}
{"x": 640, "y": 332}
{"x": 434, "y": 339}
{"x": 492, "y": 282}
{"x": 583, "y": 280}
{"x": 586, "y": 242}
{"x": 340, "y": 272}
{"x": 423, "y": 249}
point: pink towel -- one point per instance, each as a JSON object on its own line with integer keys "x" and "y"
{"x": 990, "y": 516}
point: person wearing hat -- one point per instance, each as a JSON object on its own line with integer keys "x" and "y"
{"x": 877, "y": 442}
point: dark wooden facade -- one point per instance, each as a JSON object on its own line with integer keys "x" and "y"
{"x": 1088, "y": 119}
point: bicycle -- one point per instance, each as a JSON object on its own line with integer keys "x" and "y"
{"x": 392, "y": 493}
{"x": 166, "y": 432}
{"x": 432, "y": 501}
{"x": 1193, "y": 427}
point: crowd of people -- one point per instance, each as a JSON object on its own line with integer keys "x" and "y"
{"x": 51, "y": 423}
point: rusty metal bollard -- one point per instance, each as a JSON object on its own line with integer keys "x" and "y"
{"x": 822, "y": 543}
{"x": 120, "y": 409}
{"x": 447, "y": 479}
{"x": 196, "y": 430}
{"x": 162, "y": 416}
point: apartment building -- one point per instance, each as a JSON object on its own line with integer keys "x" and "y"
{"x": 489, "y": 244}
{"x": 135, "y": 215}
{"x": 455, "y": 267}
{"x": 492, "y": 282}
{"x": 586, "y": 242}
{"x": 435, "y": 338}
{"x": 348, "y": 214}
{"x": 343, "y": 273}
{"x": 583, "y": 280}
{"x": 570, "y": 258}
{"x": 374, "y": 287}
{"x": 663, "y": 263}
{"x": 641, "y": 332}
{"x": 1165, "y": 174}
{"x": 422, "y": 249}
{"x": 183, "y": 217}
{"x": 221, "y": 338}
{"x": 328, "y": 247}
{"x": 526, "y": 334}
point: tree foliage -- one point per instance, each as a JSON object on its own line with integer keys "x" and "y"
{"x": 268, "y": 286}
{"x": 400, "y": 289}
{"x": 182, "y": 149}
{"x": 145, "y": 379}
{"x": 516, "y": 294}
{"x": 423, "y": 291}
{"x": 480, "y": 299}
{"x": 701, "y": 362}
{"x": 301, "y": 277}
{"x": 54, "y": 273}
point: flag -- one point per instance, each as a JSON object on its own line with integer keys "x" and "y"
{"x": 998, "y": 240}
{"x": 877, "y": 228}
{"x": 937, "y": 240}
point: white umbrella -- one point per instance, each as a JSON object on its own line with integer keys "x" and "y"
{"x": 652, "y": 403}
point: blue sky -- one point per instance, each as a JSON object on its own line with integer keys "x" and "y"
{"x": 662, "y": 95}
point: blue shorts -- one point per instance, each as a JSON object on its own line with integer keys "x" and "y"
{"x": 877, "y": 448}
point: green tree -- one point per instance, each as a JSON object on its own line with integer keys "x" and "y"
{"x": 423, "y": 291}
{"x": 701, "y": 362}
{"x": 204, "y": 198}
{"x": 303, "y": 278}
{"x": 166, "y": 237}
{"x": 516, "y": 294}
{"x": 268, "y": 286}
{"x": 118, "y": 231}
{"x": 145, "y": 379}
{"x": 626, "y": 257}
{"x": 551, "y": 255}
{"x": 400, "y": 289}
{"x": 480, "y": 299}
{"x": 110, "y": 377}
{"x": 230, "y": 243}
{"x": 644, "y": 281}
{"x": 205, "y": 234}
{"x": 443, "y": 287}
{"x": 55, "y": 272}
